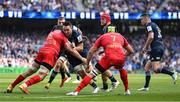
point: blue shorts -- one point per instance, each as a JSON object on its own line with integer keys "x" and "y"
{"x": 156, "y": 54}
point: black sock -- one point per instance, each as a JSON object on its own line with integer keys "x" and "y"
{"x": 112, "y": 79}
{"x": 53, "y": 75}
{"x": 78, "y": 77}
{"x": 148, "y": 78}
{"x": 164, "y": 71}
{"x": 68, "y": 73}
{"x": 105, "y": 85}
{"x": 62, "y": 73}
{"x": 93, "y": 84}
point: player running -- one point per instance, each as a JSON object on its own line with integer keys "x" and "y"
{"x": 154, "y": 41}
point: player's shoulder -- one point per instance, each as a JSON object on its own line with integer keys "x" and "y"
{"x": 58, "y": 33}
{"x": 74, "y": 28}
{"x": 152, "y": 24}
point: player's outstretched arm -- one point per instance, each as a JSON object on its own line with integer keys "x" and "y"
{"x": 74, "y": 52}
{"x": 91, "y": 53}
{"x": 79, "y": 47}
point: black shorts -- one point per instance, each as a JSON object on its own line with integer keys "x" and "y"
{"x": 156, "y": 54}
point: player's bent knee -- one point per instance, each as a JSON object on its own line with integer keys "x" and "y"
{"x": 43, "y": 71}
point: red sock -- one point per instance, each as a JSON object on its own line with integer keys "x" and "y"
{"x": 33, "y": 80}
{"x": 86, "y": 80}
{"x": 124, "y": 78}
{"x": 19, "y": 79}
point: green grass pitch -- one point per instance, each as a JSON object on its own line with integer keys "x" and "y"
{"x": 162, "y": 89}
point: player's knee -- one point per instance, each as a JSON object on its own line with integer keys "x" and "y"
{"x": 43, "y": 72}
{"x": 59, "y": 63}
{"x": 158, "y": 70}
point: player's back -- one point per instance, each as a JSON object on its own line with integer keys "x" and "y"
{"x": 113, "y": 44}
{"x": 54, "y": 42}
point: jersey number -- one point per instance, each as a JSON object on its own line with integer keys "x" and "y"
{"x": 113, "y": 37}
{"x": 159, "y": 32}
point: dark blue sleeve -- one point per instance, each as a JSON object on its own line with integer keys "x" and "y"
{"x": 77, "y": 38}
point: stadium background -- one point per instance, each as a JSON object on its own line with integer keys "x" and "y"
{"x": 25, "y": 24}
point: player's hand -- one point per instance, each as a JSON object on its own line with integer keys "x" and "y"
{"x": 88, "y": 68}
{"x": 143, "y": 51}
{"x": 73, "y": 45}
{"x": 84, "y": 60}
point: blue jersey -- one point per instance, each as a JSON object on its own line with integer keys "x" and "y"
{"x": 157, "y": 41}
{"x": 76, "y": 38}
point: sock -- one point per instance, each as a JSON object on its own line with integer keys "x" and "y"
{"x": 68, "y": 73}
{"x": 105, "y": 85}
{"x": 86, "y": 80}
{"x": 78, "y": 77}
{"x": 53, "y": 75}
{"x": 112, "y": 79}
{"x": 124, "y": 78}
{"x": 93, "y": 84}
{"x": 62, "y": 73}
{"x": 164, "y": 71}
{"x": 148, "y": 78}
{"x": 33, "y": 80}
{"x": 19, "y": 79}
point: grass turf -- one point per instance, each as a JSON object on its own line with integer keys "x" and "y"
{"x": 162, "y": 89}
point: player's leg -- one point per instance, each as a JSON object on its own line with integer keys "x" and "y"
{"x": 86, "y": 80}
{"x": 21, "y": 77}
{"x": 104, "y": 82}
{"x": 155, "y": 57}
{"x": 62, "y": 72}
{"x": 158, "y": 69}
{"x": 147, "y": 77}
{"x": 100, "y": 67}
{"x": 54, "y": 72}
{"x": 80, "y": 69}
{"x": 124, "y": 78}
{"x": 43, "y": 71}
{"x": 77, "y": 79}
{"x": 66, "y": 68}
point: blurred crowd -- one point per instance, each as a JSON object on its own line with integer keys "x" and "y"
{"x": 91, "y": 5}
{"x": 38, "y": 5}
{"x": 19, "y": 49}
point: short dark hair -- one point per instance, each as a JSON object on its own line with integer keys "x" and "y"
{"x": 61, "y": 18}
{"x": 67, "y": 23}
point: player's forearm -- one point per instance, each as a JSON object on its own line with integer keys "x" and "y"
{"x": 79, "y": 49}
{"x": 75, "y": 53}
{"x": 89, "y": 57}
{"x": 148, "y": 42}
